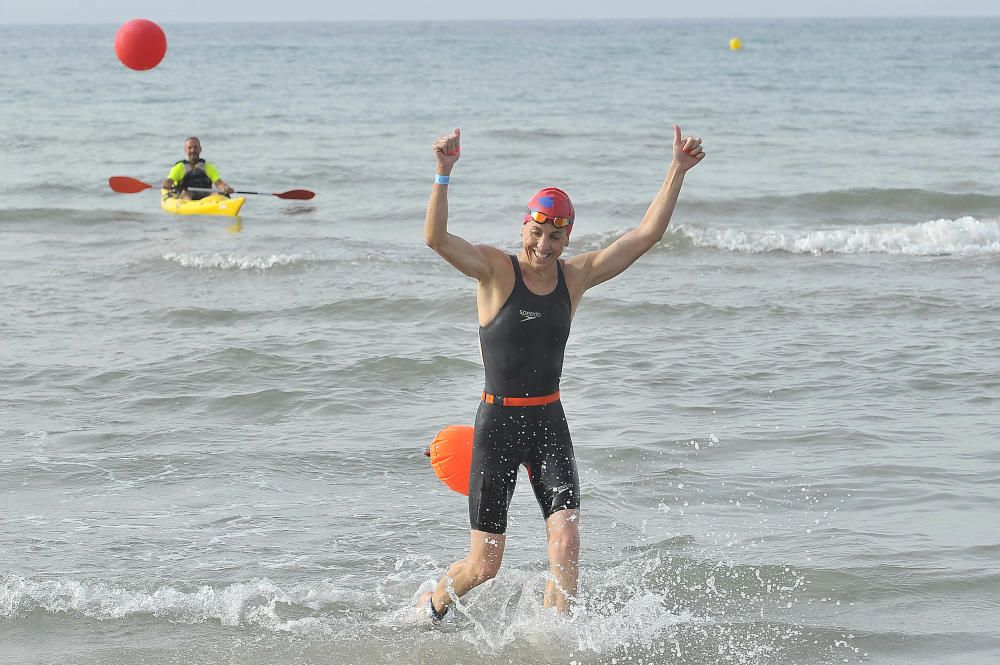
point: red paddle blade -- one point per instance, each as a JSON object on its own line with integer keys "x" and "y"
{"x": 298, "y": 194}
{"x": 125, "y": 185}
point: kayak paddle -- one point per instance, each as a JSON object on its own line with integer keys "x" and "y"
{"x": 125, "y": 185}
{"x": 298, "y": 194}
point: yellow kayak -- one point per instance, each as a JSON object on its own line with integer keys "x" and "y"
{"x": 213, "y": 204}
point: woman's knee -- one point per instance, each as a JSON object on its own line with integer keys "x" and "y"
{"x": 565, "y": 546}
{"x": 484, "y": 569}
{"x": 564, "y": 535}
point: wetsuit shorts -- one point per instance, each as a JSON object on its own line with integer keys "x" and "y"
{"x": 507, "y": 437}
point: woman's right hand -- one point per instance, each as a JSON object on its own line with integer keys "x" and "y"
{"x": 447, "y": 150}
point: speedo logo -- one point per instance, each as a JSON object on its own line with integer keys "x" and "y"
{"x": 528, "y": 316}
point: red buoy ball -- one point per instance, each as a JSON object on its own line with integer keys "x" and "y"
{"x": 140, "y": 44}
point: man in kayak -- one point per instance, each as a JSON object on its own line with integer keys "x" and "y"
{"x": 525, "y": 304}
{"x": 194, "y": 172}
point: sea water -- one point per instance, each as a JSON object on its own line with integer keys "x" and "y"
{"x": 785, "y": 414}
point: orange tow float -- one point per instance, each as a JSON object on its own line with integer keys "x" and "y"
{"x": 451, "y": 456}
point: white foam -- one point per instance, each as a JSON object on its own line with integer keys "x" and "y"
{"x": 965, "y": 236}
{"x": 252, "y": 602}
{"x": 219, "y": 261}
{"x": 509, "y": 611}
{"x": 629, "y": 613}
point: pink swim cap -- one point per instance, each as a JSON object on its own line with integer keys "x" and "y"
{"x": 554, "y": 205}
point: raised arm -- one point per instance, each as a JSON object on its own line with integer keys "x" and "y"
{"x": 603, "y": 264}
{"x": 473, "y": 260}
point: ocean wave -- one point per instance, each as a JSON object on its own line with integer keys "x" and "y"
{"x": 858, "y": 202}
{"x": 254, "y": 602}
{"x": 219, "y": 261}
{"x": 654, "y": 608}
{"x": 403, "y": 368}
{"x": 965, "y": 236}
{"x": 65, "y": 215}
{"x": 645, "y": 608}
{"x": 445, "y": 308}
{"x": 530, "y": 134}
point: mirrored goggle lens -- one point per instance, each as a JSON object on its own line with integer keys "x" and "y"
{"x": 541, "y": 218}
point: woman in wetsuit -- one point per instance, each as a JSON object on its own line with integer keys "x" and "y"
{"x": 526, "y": 303}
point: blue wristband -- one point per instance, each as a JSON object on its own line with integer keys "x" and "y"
{"x": 441, "y": 179}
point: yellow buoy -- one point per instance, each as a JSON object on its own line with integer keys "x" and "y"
{"x": 735, "y": 44}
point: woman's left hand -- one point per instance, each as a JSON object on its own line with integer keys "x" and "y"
{"x": 687, "y": 151}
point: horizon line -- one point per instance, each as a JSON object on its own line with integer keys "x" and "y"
{"x": 509, "y": 20}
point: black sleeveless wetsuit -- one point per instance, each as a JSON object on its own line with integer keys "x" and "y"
{"x": 523, "y": 353}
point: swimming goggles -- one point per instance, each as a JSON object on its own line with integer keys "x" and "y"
{"x": 541, "y": 218}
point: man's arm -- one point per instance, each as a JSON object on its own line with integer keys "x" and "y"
{"x": 213, "y": 175}
{"x": 175, "y": 176}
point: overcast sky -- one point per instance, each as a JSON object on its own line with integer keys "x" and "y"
{"x": 172, "y": 11}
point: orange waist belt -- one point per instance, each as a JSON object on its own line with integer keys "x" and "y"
{"x": 541, "y": 400}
